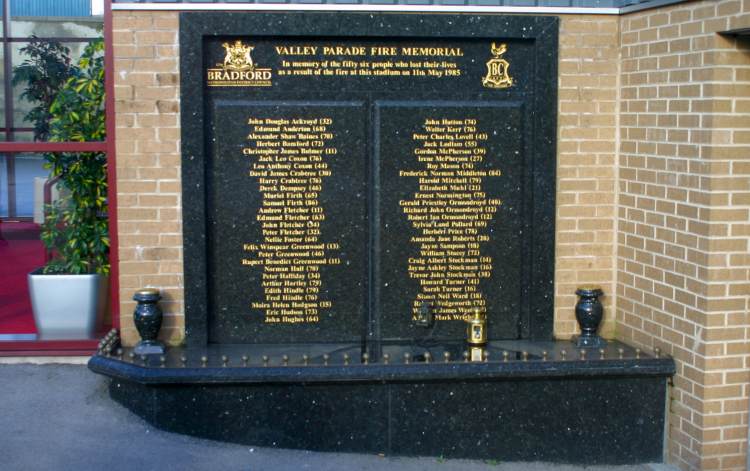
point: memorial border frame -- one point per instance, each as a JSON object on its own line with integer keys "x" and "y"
{"x": 543, "y": 30}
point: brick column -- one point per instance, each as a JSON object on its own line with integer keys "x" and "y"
{"x": 586, "y": 165}
{"x": 148, "y": 165}
{"x": 683, "y": 264}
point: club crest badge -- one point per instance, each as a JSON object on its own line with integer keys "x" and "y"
{"x": 497, "y": 69}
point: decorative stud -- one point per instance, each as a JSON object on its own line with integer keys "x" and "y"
{"x": 407, "y": 358}
{"x": 506, "y": 356}
{"x": 346, "y": 358}
{"x": 582, "y": 354}
{"x": 563, "y": 354}
{"x": 602, "y": 354}
{"x": 245, "y": 360}
{"x": 638, "y": 353}
{"x": 386, "y": 358}
{"x": 183, "y": 360}
{"x": 119, "y": 353}
{"x": 326, "y": 357}
{"x": 131, "y": 355}
{"x": 525, "y": 355}
{"x": 657, "y": 352}
{"x": 485, "y": 356}
{"x": 144, "y": 359}
{"x": 466, "y": 356}
{"x": 265, "y": 360}
{"x": 545, "y": 354}
{"x": 447, "y": 357}
{"x": 427, "y": 357}
{"x": 204, "y": 360}
{"x": 224, "y": 360}
{"x": 285, "y": 360}
{"x": 162, "y": 360}
{"x": 365, "y": 358}
{"x": 305, "y": 359}
{"x": 621, "y": 352}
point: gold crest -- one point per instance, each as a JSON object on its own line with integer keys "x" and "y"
{"x": 238, "y": 56}
{"x": 238, "y": 68}
{"x": 497, "y": 69}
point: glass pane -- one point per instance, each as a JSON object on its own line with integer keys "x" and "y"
{"x": 2, "y": 88}
{"x": 3, "y": 187}
{"x": 22, "y": 252}
{"x": 23, "y": 136}
{"x": 56, "y": 18}
{"x": 30, "y": 177}
{"x": 21, "y": 106}
{"x": 21, "y": 249}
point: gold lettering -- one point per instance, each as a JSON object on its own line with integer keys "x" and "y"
{"x": 288, "y": 158}
{"x": 448, "y": 209}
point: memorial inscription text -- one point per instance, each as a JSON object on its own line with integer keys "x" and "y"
{"x": 369, "y": 179}
{"x": 450, "y": 214}
{"x": 288, "y": 160}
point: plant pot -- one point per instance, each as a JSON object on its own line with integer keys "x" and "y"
{"x": 68, "y": 307}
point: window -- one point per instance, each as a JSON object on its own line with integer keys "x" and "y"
{"x": 73, "y": 24}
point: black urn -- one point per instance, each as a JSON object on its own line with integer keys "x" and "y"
{"x": 147, "y": 318}
{"x": 589, "y": 313}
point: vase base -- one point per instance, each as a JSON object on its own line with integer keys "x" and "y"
{"x": 149, "y": 347}
{"x": 594, "y": 341}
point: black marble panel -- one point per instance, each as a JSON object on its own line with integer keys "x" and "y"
{"x": 273, "y": 302}
{"x": 606, "y": 408}
{"x": 401, "y": 66}
{"x": 280, "y": 417}
{"x": 382, "y": 76}
{"x": 549, "y": 420}
{"x": 504, "y": 421}
{"x": 465, "y": 196}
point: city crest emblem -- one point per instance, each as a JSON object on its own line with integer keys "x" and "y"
{"x": 238, "y": 56}
{"x": 238, "y": 69}
{"x": 497, "y": 69}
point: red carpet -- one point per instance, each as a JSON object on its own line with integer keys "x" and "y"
{"x": 21, "y": 252}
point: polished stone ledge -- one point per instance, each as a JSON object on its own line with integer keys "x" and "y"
{"x": 252, "y": 364}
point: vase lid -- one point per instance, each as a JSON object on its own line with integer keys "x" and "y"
{"x": 147, "y": 292}
{"x": 589, "y": 290}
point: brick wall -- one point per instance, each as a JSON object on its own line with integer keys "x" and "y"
{"x": 147, "y": 115}
{"x": 586, "y": 165}
{"x": 684, "y": 196}
{"x": 148, "y": 165}
{"x": 656, "y": 213}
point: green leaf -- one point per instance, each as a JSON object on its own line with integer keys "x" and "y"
{"x": 75, "y": 228}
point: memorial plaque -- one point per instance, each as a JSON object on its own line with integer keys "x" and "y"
{"x": 288, "y": 188}
{"x": 450, "y": 209}
{"x": 362, "y": 178}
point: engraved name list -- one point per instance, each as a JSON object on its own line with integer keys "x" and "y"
{"x": 288, "y": 161}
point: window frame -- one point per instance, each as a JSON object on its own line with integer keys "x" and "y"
{"x": 107, "y": 146}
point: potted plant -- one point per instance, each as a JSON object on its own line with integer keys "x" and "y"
{"x": 69, "y": 294}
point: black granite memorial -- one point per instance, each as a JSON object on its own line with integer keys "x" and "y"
{"x": 421, "y": 166}
{"x": 356, "y": 187}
